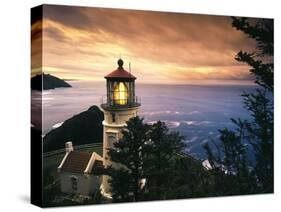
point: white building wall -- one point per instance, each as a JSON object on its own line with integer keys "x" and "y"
{"x": 86, "y": 184}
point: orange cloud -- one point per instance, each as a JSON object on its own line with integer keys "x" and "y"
{"x": 84, "y": 43}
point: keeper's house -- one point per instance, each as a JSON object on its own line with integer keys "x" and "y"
{"x": 80, "y": 172}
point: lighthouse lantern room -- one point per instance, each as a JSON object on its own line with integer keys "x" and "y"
{"x": 120, "y": 89}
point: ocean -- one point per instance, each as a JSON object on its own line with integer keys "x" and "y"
{"x": 196, "y": 111}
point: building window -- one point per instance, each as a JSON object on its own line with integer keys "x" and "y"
{"x": 111, "y": 140}
{"x": 74, "y": 183}
{"x": 113, "y": 117}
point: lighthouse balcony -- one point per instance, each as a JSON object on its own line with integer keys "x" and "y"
{"x": 119, "y": 103}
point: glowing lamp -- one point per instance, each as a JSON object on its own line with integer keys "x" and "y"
{"x": 120, "y": 94}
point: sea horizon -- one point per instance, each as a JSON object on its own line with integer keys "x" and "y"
{"x": 196, "y": 111}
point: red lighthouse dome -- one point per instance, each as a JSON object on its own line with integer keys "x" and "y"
{"x": 120, "y": 73}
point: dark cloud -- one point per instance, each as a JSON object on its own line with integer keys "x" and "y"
{"x": 177, "y": 27}
{"x": 67, "y": 15}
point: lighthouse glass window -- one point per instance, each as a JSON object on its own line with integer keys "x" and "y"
{"x": 192, "y": 135}
{"x": 120, "y": 93}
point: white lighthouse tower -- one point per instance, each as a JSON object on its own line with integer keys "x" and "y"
{"x": 120, "y": 105}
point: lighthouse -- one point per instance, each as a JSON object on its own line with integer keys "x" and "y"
{"x": 119, "y": 106}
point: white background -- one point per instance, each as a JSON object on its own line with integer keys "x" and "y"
{"x": 15, "y": 102}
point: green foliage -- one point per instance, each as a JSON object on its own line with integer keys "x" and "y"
{"x": 50, "y": 188}
{"x": 260, "y": 136}
{"x": 147, "y": 152}
{"x": 159, "y": 167}
{"x": 261, "y": 62}
{"x": 255, "y": 134}
{"x": 260, "y": 104}
{"x": 189, "y": 179}
{"x": 130, "y": 152}
{"x": 263, "y": 71}
{"x": 261, "y": 31}
{"x": 231, "y": 174}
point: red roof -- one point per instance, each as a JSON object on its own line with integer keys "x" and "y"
{"x": 120, "y": 72}
{"x": 76, "y": 162}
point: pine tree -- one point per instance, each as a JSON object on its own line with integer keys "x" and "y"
{"x": 260, "y": 104}
{"x": 129, "y": 153}
{"x": 230, "y": 165}
{"x": 189, "y": 180}
{"x": 162, "y": 150}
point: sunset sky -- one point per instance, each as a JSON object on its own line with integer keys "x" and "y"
{"x": 84, "y": 43}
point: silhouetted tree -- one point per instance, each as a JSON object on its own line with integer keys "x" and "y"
{"x": 162, "y": 149}
{"x": 255, "y": 134}
{"x": 129, "y": 154}
{"x": 260, "y": 104}
{"x": 190, "y": 179}
{"x": 154, "y": 166}
{"x": 230, "y": 165}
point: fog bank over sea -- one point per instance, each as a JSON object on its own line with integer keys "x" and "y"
{"x": 196, "y": 111}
